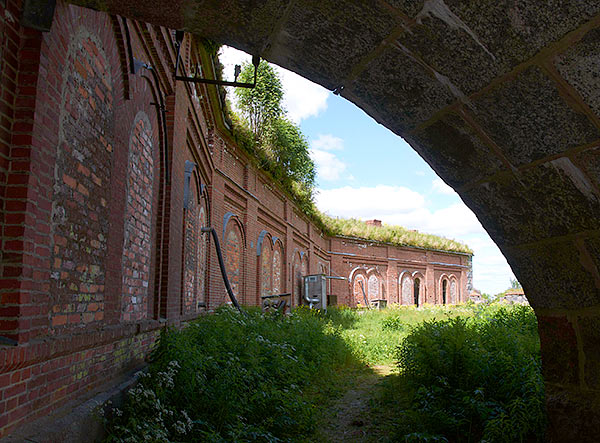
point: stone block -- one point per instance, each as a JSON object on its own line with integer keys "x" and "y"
{"x": 398, "y": 92}
{"x": 247, "y": 27}
{"x": 511, "y": 31}
{"x": 590, "y": 161}
{"x": 560, "y": 357}
{"x": 455, "y": 151}
{"x": 324, "y": 41}
{"x": 553, "y": 276}
{"x": 529, "y": 120}
{"x": 579, "y": 67}
{"x": 589, "y": 331}
{"x": 453, "y": 51}
{"x": 522, "y": 204}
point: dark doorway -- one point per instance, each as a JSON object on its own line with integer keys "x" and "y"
{"x": 417, "y": 289}
{"x": 444, "y": 290}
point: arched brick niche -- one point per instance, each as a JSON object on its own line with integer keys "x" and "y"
{"x": 264, "y": 251}
{"x": 195, "y": 243}
{"x": 411, "y": 286}
{"x": 139, "y": 216}
{"x": 299, "y": 269}
{"x": 358, "y": 285}
{"x": 271, "y": 267}
{"x": 278, "y": 267}
{"x": 368, "y": 280}
{"x": 82, "y": 177}
{"x": 233, "y": 247}
{"x": 448, "y": 289}
{"x": 376, "y": 285}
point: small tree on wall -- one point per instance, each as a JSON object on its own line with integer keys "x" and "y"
{"x": 280, "y": 141}
{"x": 261, "y": 105}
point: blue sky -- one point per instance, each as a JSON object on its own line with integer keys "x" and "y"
{"x": 366, "y": 171}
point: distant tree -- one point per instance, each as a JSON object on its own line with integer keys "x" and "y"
{"x": 261, "y": 105}
{"x": 514, "y": 284}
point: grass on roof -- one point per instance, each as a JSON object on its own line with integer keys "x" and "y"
{"x": 396, "y": 235}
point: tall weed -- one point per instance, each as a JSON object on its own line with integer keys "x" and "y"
{"x": 476, "y": 378}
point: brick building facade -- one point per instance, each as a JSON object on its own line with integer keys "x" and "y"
{"x": 109, "y": 168}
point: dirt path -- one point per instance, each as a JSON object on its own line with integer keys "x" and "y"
{"x": 348, "y": 420}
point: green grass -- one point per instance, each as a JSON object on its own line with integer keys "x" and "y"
{"x": 464, "y": 373}
{"x": 374, "y": 335}
{"x": 471, "y": 377}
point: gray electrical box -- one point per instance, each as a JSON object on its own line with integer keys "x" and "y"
{"x": 315, "y": 291}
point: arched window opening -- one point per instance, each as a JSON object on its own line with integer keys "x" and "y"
{"x": 417, "y": 291}
{"x": 444, "y": 291}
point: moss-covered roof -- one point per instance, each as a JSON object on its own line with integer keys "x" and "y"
{"x": 396, "y": 235}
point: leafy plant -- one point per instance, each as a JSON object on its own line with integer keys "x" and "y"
{"x": 233, "y": 378}
{"x": 478, "y": 377}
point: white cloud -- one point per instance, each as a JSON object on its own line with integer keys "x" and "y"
{"x": 369, "y": 202}
{"x": 328, "y": 142}
{"x": 302, "y": 98}
{"x": 439, "y": 186}
{"x": 329, "y": 166}
{"x": 402, "y": 206}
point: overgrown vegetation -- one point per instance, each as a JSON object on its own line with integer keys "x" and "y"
{"x": 396, "y": 235}
{"x": 466, "y": 373}
{"x": 229, "y": 377}
{"x": 474, "y": 378}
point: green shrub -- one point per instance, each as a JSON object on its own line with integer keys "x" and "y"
{"x": 229, "y": 377}
{"x": 475, "y": 378}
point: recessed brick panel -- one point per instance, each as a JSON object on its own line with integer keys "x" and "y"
{"x": 191, "y": 254}
{"x": 234, "y": 256}
{"x": 277, "y": 267}
{"x": 137, "y": 247}
{"x": 407, "y": 287}
{"x": 266, "y": 264}
{"x": 358, "y": 286}
{"x": 82, "y": 185}
{"x": 202, "y": 259}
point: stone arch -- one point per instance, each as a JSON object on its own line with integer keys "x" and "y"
{"x": 278, "y": 271}
{"x": 80, "y": 217}
{"x": 510, "y": 123}
{"x": 233, "y": 248}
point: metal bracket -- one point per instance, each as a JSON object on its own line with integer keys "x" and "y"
{"x": 197, "y": 70}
